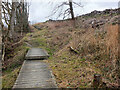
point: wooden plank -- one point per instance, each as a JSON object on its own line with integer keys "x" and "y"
{"x": 36, "y": 53}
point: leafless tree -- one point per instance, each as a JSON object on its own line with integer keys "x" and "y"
{"x": 22, "y": 15}
{"x": 12, "y": 19}
{"x": 59, "y": 8}
{"x": 15, "y": 16}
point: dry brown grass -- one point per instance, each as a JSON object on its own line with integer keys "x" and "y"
{"x": 112, "y": 50}
{"x": 97, "y": 53}
{"x": 60, "y": 24}
{"x": 112, "y": 40}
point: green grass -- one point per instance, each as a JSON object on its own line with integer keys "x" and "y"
{"x": 9, "y": 77}
{"x": 114, "y": 23}
{"x": 69, "y": 69}
{"x": 37, "y": 39}
{"x": 73, "y": 69}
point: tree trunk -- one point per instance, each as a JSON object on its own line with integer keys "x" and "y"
{"x": 25, "y": 19}
{"x": 71, "y": 9}
{"x": 0, "y": 32}
{"x": 0, "y": 44}
{"x": 12, "y": 20}
{"x": 0, "y": 24}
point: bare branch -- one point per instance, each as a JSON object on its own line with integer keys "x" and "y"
{"x": 78, "y": 4}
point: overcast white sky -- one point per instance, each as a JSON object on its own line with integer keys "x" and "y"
{"x": 41, "y": 9}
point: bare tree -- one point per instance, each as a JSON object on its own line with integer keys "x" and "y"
{"x": 66, "y": 12}
{"x": 0, "y": 22}
{"x": 0, "y": 34}
{"x": 22, "y": 15}
{"x": 12, "y": 19}
{"x": 0, "y": 45}
{"x": 71, "y": 9}
{"x": 15, "y": 16}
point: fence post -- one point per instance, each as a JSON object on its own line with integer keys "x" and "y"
{"x": 97, "y": 80}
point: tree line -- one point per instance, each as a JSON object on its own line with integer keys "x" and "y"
{"x": 14, "y": 22}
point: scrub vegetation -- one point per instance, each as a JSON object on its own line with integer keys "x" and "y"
{"x": 77, "y": 50}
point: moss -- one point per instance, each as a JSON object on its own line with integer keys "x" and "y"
{"x": 50, "y": 51}
{"x": 114, "y": 23}
{"x": 9, "y": 77}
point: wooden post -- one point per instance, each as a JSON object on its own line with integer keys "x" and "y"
{"x": 97, "y": 80}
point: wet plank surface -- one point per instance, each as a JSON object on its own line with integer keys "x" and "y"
{"x": 35, "y": 74}
{"x": 36, "y": 53}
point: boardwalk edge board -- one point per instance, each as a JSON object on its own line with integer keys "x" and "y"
{"x": 19, "y": 74}
{"x": 36, "y": 56}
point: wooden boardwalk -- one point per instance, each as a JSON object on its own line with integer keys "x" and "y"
{"x": 36, "y": 53}
{"x": 35, "y": 74}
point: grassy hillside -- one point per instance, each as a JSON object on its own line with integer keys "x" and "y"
{"x": 94, "y": 51}
{"x": 97, "y": 50}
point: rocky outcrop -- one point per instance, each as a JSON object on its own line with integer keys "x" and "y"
{"x": 96, "y": 19}
{"x": 107, "y": 11}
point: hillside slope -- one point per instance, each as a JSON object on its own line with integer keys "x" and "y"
{"x": 94, "y": 49}
{"x": 94, "y": 44}
{"x": 79, "y": 49}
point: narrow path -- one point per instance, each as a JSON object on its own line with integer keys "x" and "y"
{"x": 36, "y": 53}
{"x": 35, "y": 73}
